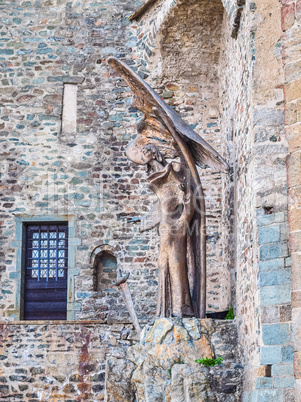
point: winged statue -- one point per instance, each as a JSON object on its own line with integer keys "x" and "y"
{"x": 171, "y": 152}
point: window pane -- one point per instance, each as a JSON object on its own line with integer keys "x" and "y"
{"x": 61, "y": 273}
{"x": 52, "y": 243}
{"x": 52, "y": 253}
{"x": 43, "y": 273}
{"x": 52, "y": 273}
{"x": 34, "y": 273}
{"x": 35, "y": 254}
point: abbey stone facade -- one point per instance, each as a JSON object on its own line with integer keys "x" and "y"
{"x": 231, "y": 69}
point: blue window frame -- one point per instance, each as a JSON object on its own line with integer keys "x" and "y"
{"x": 46, "y": 270}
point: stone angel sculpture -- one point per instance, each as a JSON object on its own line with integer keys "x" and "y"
{"x": 171, "y": 151}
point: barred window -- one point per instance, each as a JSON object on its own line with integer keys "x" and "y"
{"x": 46, "y": 262}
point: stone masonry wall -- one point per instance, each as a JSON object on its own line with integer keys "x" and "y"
{"x": 271, "y": 204}
{"x": 235, "y": 100}
{"x": 58, "y": 362}
{"x": 290, "y": 25}
{"x": 83, "y": 176}
{"x": 252, "y": 121}
{"x": 236, "y": 107}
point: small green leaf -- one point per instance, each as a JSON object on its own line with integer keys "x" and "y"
{"x": 230, "y": 314}
{"x": 210, "y": 362}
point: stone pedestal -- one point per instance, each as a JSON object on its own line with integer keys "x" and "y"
{"x": 162, "y": 366}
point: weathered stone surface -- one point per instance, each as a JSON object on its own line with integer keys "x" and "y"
{"x": 180, "y": 334}
{"x": 64, "y": 361}
{"x": 224, "y": 341}
{"x": 297, "y": 365}
{"x": 188, "y": 383}
{"x": 119, "y": 388}
{"x": 193, "y": 327}
{"x": 287, "y": 16}
{"x": 166, "y": 370}
{"x": 159, "y": 330}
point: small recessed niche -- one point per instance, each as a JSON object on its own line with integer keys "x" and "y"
{"x": 105, "y": 272}
{"x": 69, "y": 114}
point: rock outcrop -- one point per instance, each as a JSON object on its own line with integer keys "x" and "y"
{"x": 163, "y": 368}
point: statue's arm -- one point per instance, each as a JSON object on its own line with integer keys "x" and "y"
{"x": 189, "y": 204}
{"x": 185, "y": 154}
{"x": 151, "y": 219}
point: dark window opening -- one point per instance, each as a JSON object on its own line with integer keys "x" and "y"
{"x": 46, "y": 263}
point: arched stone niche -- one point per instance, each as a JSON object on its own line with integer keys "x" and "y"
{"x": 106, "y": 302}
{"x": 104, "y": 268}
{"x": 105, "y": 271}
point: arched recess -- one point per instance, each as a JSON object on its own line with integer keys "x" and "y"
{"x": 179, "y": 56}
{"x": 105, "y": 271}
{"x": 106, "y": 300}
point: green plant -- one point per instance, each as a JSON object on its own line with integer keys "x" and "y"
{"x": 177, "y": 361}
{"x": 210, "y": 362}
{"x": 230, "y": 314}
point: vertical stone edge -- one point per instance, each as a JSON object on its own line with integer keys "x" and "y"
{"x": 292, "y": 98}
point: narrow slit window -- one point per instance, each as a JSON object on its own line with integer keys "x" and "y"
{"x": 69, "y": 109}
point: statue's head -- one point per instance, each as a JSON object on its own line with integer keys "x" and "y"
{"x": 142, "y": 149}
{"x": 150, "y": 152}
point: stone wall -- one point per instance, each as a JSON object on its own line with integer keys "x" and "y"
{"x": 239, "y": 209}
{"x": 253, "y": 125}
{"x": 59, "y": 361}
{"x": 83, "y": 177}
{"x": 271, "y": 204}
{"x": 290, "y": 24}
{"x": 224, "y": 70}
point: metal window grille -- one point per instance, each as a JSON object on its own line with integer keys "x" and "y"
{"x": 47, "y": 251}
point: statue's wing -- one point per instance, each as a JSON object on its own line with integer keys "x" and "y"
{"x": 145, "y": 99}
